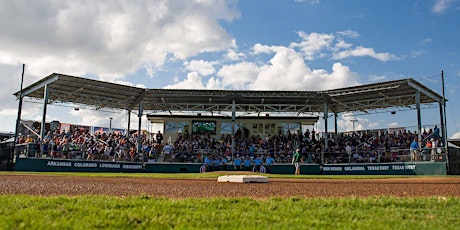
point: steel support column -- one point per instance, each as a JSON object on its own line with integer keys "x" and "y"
{"x": 129, "y": 122}
{"x": 326, "y": 136}
{"x": 419, "y": 118}
{"x": 43, "y": 125}
{"x": 233, "y": 129}
{"x": 139, "y": 144}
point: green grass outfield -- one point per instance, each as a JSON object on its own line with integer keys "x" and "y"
{"x": 146, "y": 212}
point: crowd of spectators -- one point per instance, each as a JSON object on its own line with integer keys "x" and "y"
{"x": 83, "y": 145}
{"x": 358, "y": 147}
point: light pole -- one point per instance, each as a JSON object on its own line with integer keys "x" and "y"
{"x": 110, "y": 125}
{"x": 354, "y": 120}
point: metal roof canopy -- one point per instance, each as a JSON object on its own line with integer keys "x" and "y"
{"x": 371, "y": 98}
{"x": 302, "y": 120}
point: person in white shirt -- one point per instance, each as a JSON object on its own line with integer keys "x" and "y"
{"x": 167, "y": 151}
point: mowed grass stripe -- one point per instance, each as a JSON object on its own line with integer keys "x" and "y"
{"x": 145, "y": 212}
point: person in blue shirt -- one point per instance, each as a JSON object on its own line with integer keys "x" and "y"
{"x": 436, "y": 132}
{"x": 269, "y": 163}
{"x": 247, "y": 164}
{"x": 237, "y": 162}
{"x": 223, "y": 163}
{"x": 252, "y": 149}
{"x": 208, "y": 164}
{"x": 216, "y": 162}
{"x": 257, "y": 163}
{"x": 414, "y": 147}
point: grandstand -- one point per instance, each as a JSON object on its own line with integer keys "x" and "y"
{"x": 235, "y": 123}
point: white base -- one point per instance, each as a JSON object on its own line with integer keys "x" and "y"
{"x": 243, "y": 179}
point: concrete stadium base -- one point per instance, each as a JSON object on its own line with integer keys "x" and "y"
{"x": 243, "y": 179}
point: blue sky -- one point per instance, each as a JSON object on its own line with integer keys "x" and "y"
{"x": 253, "y": 44}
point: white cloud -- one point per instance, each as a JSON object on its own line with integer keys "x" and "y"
{"x": 109, "y": 38}
{"x": 341, "y": 44}
{"x": 312, "y": 43}
{"x": 202, "y": 67}
{"x": 440, "y": 6}
{"x": 263, "y": 49}
{"x": 348, "y": 33}
{"x": 417, "y": 53}
{"x": 316, "y": 45}
{"x": 214, "y": 83}
{"x": 286, "y": 70}
{"x": 193, "y": 81}
{"x": 426, "y": 41}
{"x": 129, "y": 84}
{"x": 362, "y": 52}
{"x": 233, "y": 55}
{"x": 240, "y": 75}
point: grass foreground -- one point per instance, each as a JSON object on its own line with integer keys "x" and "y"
{"x": 145, "y": 212}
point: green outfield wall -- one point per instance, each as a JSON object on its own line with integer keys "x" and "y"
{"x": 62, "y": 165}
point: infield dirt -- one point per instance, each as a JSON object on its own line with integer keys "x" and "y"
{"x": 51, "y": 185}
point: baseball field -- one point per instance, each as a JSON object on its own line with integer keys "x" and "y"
{"x": 198, "y": 201}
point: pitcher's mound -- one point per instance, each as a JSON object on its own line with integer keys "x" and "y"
{"x": 243, "y": 179}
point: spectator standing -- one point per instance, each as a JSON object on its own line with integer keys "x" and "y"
{"x": 436, "y": 132}
{"x": 167, "y": 151}
{"x": 159, "y": 137}
{"x": 132, "y": 153}
{"x": 414, "y": 149}
{"x": 307, "y": 135}
{"x": 433, "y": 149}
{"x": 348, "y": 149}
{"x": 296, "y": 160}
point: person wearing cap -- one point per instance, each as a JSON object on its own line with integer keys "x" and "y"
{"x": 296, "y": 161}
